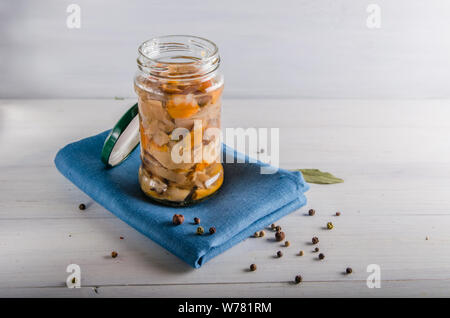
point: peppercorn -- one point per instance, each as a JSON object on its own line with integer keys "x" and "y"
{"x": 196, "y": 220}
{"x": 280, "y": 254}
{"x": 311, "y": 212}
{"x": 253, "y": 267}
{"x": 287, "y": 243}
{"x": 121, "y": 237}
{"x": 212, "y": 230}
{"x": 279, "y": 236}
{"x": 321, "y": 256}
{"x": 316, "y": 249}
{"x": 273, "y": 226}
{"x": 349, "y": 270}
{"x": 200, "y": 230}
{"x": 338, "y": 213}
{"x": 298, "y": 279}
{"x": 177, "y": 219}
{"x": 278, "y": 228}
{"x": 315, "y": 240}
{"x": 74, "y": 280}
{"x": 262, "y": 233}
{"x": 301, "y": 253}
{"x": 329, "y": 225}
{"x": 82, "y": 206}
{"x": 114, "y": 254}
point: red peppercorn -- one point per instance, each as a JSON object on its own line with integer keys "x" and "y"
{"x": 178, "y": 219}
{"x": 280, "y": 236}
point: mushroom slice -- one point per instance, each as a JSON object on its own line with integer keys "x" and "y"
{"x": 176, "y": 194}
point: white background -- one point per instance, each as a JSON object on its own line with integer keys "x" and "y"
{"x": 270, "y": 49}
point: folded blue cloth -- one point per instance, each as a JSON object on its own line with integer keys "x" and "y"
{"x": 247, "y": 201}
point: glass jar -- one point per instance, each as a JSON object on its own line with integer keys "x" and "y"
{"x": 179, "y": 90}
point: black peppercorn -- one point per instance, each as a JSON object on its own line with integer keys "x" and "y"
{"x": 114, "y": 254}
{"x": 312, "y": 212}
{"x": 196, "y": 220}
{"x": 212, "y": 230}
{"x": 349, "y": 270}
{"x": 338, "y": 213}
{"x": 316, "y": 249}
{"x": 278, "y": 228}
{"x": 253, "y": 267}
{"x": 315, "y": 240}
{"x": 82, "y": 206}
{"x": 298, "y": 279}
{"x": 280, "y": 254}
{"x": 321, "y": 256}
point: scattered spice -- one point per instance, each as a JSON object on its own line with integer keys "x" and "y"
{"x": 82, "y": 206}
{"x": 287, "y": 243}
{"x": 298, "y": 279}
{"x": 311, "y": 212}
{"x": 301, "y": 253}
{"x": 196, "y": 220}
{"x": 212, "y": 230}
{"x": 114, "y": 254}
{"x": 316, "y": 249}
{"x": 256, "y": 234}
{"x": 278, "y": 228}
{"x": 315, "y": 240}
{"x": 427, "y": 238}
{"x": 253, "y": 267}
{"x": 273, "y": 226}
{"x": 121, "y": 237}
{"x": 200, "y": 230}
{"x": 280, "y": 236}
{"x": 74, "y": 280}
{"x": 338, "y": 213}
{"x": 330, "y": 226}
{"x": 262, "y": 234}
{"x": 321, "y": 256}
{"x": 178, "y": 219}
{"x": 280, "y": 254}
{"x": 349, "y": 270}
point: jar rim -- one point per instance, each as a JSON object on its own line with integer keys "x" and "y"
{"x": 157, "y": 40}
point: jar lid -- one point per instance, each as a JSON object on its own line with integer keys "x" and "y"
{"x": 122, "y": 139}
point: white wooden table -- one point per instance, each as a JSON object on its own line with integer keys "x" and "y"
{"x": 393, "y": 155}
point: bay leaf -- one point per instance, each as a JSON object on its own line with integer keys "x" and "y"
{"x": 319, "y": 177}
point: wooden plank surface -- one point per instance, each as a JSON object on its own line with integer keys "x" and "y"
{"x": 393, "y": 155}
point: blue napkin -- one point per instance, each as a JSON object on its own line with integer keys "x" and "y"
{"x": 247, "y": 201}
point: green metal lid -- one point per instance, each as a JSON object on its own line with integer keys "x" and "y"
{"x": 122, "y": 139}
